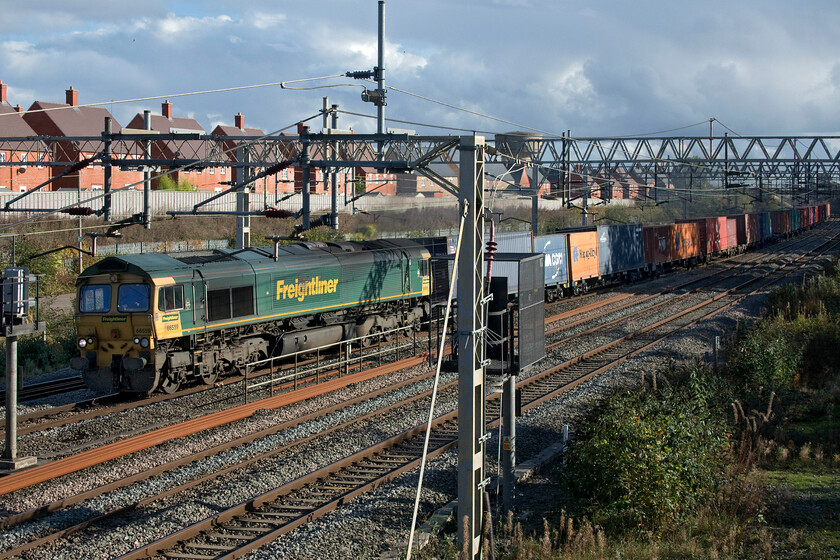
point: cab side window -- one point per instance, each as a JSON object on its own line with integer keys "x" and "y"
{"x": 171, "y": 298}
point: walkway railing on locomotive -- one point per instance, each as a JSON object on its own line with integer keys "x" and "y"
{"x": 353, "y": 345}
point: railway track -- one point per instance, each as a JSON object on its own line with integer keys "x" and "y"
{"x": 251, "y": 524}
{"x": 332, "y": 495}
{"x": 46, "y": 389}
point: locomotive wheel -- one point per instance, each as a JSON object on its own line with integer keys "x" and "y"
{"x": 169, "y": 385}
{"x": 372, "y": 336}
{"x": 210, "y": 377}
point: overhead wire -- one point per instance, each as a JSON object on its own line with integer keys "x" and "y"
{"x": 174, "y": 95}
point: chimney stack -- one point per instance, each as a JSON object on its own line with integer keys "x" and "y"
{"x": 238, "y": 119}
{"x": 18, "y": 108}
{"x": 72, "y": 96}
{"x": 166, "y": 109}
{"x": 2, "y": 92}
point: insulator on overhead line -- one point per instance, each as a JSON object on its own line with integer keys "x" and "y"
{"x": 277, "y": 213}
{"x": 79, "y": 211}
{"x": 78, "y": 166}
{"x": 277, "y": 167}
{"x": 490, "y": 250}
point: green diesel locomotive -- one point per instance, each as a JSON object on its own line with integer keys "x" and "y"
{"x": 153, "y": 321}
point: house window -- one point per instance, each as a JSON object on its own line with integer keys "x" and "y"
{"x": 217, "y": 189}
{"x": 212, "y": 171}
{"x": 96, "y": 187}
{"x": 2, "y": 156}
{"x": 22, "y": 188}
{"x": 283, "y": 174}
{"x": 224, "y": 171}
{"x": 23, "y": 158}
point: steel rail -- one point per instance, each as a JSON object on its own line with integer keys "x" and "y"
{"x": 67, "y": 465}
{"x": 260, "y": 520}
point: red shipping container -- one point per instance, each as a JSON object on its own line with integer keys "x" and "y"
{"x": 731, "y": 233}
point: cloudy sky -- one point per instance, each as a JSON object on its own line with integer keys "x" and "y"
{"x": 597, "y": 67}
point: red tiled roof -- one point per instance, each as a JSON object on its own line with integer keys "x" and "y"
{"x": 64, "y": 120}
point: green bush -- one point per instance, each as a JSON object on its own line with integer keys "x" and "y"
{"x": 645, "y": 459}
{"x": 167, "y": 183}
{"x": 767, "y": 356}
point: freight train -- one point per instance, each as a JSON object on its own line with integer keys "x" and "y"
{"x": 153, "y": 321}
{"x": 580, "y": 259}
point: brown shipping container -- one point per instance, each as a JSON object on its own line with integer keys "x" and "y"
{"x": 741, "y": 231}
{"x": 781, "y": 221}
{"x": 731, "y": 232}
{"x": 658, "y": 241}
{"x": 686, "y": 241}
{"x": 753, "y": 229}
{"x": 582, "y": 247}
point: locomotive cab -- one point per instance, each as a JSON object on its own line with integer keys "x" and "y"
{"x": 115, "y": 335}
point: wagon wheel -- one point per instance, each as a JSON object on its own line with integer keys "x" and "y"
{"x": 169, "y": 385}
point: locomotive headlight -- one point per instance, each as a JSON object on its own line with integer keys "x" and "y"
{"x": 82, "y": 343}
{"x": 90, "y": 341}
{"x": 144, "y": 342}
{"x": 136, "y": 340}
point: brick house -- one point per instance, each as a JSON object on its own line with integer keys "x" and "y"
{"x": 70, "y": 120}
{"x": 281, "y": 182}
{"x": 19, "y": 178}
{"x": 204, "y": 179}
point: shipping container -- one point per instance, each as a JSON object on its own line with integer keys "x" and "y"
{"x": 510, "y": 242}
{"x": 620, "y": 249}
{"x": 711, "y": 233}
{"x": 687, "y": 241}
{"x": 796, "y": 218}
{"x": 657, "y": 241}
{"x": 506, "y": 242}
{"x": 741, "y": 230}
{"x": 582, "y": 255}
{"x": 556, "y": 262}
{"x": 781, "y": 222}
{"x": 731, "y": 234}
{"x": 753, "y": 230}
{"x": 765, "y": 226}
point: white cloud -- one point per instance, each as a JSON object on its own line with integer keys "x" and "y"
{"x": 264, "y": 20}
{"x": 173, "y": 28}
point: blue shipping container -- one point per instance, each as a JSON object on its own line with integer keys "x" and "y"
{"x": 620, "y": 248}
{"x": 766, "y": 224}
{"x": 556, "y": 265}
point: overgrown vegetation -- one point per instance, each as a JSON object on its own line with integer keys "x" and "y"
{"x": 167, "y": 183}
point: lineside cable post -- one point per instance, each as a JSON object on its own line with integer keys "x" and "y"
{"x": 16, "y": 305}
